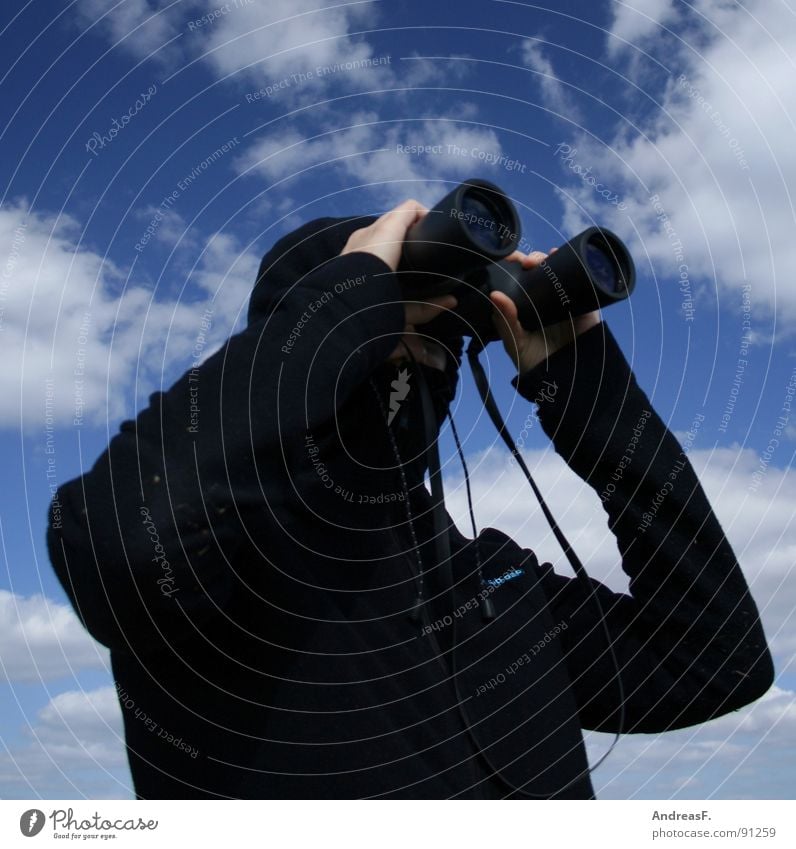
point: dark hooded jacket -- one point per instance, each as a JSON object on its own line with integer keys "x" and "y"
{"x": 252, "y": 546}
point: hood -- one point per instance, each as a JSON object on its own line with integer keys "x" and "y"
{"x": 295, "y": 255}
{"x": 298, "y": 254}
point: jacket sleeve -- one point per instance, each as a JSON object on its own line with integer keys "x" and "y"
{"x": 144, "y": 542}
{"x": 688, "y": 639}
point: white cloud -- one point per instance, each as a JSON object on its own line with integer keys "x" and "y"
{"x": 73, "y": 749}
{"x": 371, "y": 151}
{"x": 554, "y": 93}
{"x": 78, "y": 716}
{"x": 637, "y": 20}
{"x": 80, "y": 733}
{"x": 172, "y": 229}
{"x": 297, "y": 51}
{"x": 760, "y": 525}
{"x": 720, "y": 154}
{"x": 41, "y": 639}
{"x": 64, "y": 308}
{"x": 414, "y": 70}
{"x": 283, "y": 37}
{"x": 738, "y": 756}
{"x": 137, "y": 26}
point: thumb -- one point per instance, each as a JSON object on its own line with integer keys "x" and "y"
{"x": 507, "y": 309}
{"x": 507, "y": 325}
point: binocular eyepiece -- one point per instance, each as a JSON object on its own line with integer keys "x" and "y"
{"x": 461, "y": 246}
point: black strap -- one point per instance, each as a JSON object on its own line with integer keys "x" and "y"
{"x": 442, "y": 545}
{"x": 441, "y": 538}
{"x": 484, "y": 390}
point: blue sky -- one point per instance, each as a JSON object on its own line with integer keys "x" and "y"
{"x": 154, "y": 151}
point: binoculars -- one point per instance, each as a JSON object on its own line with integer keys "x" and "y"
{"x": 460, "y": 247}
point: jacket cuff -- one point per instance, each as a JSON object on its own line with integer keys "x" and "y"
{"x": 583, "y": 381}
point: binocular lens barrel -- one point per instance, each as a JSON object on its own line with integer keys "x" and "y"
{"x": 592, "y": 270}
{"x": 474, "y": 224}
{"x": 488, "y": 221}
{"x": 461, "y": 244}
{"x": 608, "y": 263}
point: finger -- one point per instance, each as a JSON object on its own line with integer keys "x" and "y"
{"x": 403, "y": 215}
{"x": 410, "y": 203}
{"x": 506, "y": 320}
{"x": 530, "y": 260}
{"x": 535, "y": 258}
{"x": 389, "y": 231}
{"x": 525, "y": 260}
{"x": 506, "y": 307}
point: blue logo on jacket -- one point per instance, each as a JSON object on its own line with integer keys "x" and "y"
{"x": 508, "y": 576}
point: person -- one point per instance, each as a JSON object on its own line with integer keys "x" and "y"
{"x": 257, "y": 550}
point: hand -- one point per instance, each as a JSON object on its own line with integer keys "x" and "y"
{"x": 529, "y": 348}
{"x": 384, "y": 238}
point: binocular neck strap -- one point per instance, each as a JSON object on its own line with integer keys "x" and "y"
{"x": 482, "y": 385}
{"x": 443, "y": 553}
{"x": 441, "y": 539}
